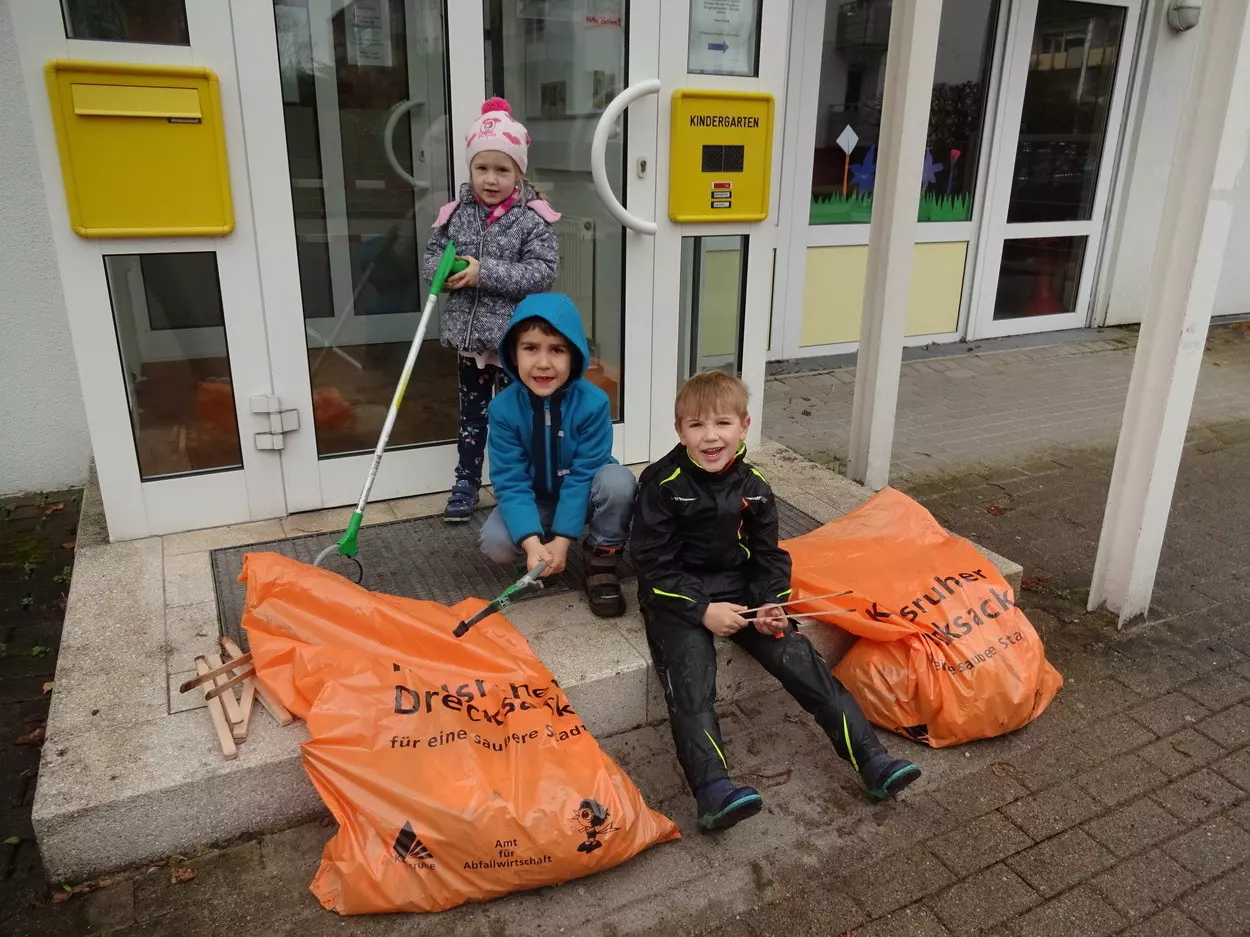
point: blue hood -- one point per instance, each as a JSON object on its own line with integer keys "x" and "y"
{"x": 559, "y": 310}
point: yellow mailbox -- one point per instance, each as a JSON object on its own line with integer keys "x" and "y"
{"x": 720, "y": 163}
{"x": 143, "y": 153}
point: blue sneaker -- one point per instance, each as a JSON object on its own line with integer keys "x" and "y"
{"x": 720, "y": 805}
{"x": 461, "y": 503}
{"x": 885, "y": 776}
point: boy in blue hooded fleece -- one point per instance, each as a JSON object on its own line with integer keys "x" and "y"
{"x": 550, "y": 444}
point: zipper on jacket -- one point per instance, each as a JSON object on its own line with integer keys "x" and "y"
{"x": 547, "y": 447}
{"x": 477, "y": 290}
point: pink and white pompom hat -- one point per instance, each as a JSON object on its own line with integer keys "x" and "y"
{"x": 498, "y": 130}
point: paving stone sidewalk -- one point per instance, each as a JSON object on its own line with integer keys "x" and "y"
{"x": 956, "y": 411}
{"x": 1124, "y": 809}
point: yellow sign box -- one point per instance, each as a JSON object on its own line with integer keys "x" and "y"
{"x": 721, "y": 157}
{"x": 143, "y": 152}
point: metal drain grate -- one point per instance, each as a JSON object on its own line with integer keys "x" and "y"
{"x": 421, "y": 558}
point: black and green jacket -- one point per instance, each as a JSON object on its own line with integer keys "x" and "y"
{"x": 701, "y": 537}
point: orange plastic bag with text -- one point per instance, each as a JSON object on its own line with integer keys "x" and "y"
{"x": 944, "y": 655}
{"x": 456, "y": 768}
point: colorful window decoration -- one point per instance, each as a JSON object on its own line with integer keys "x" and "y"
{"x": 852, "y": 82}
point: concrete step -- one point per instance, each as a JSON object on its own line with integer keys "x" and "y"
{"x": 131, "y": 771}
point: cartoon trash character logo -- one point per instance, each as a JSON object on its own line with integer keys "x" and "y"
{"x": 592, "y": 819}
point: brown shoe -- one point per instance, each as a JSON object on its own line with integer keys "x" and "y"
{"x": 603, "y": 588}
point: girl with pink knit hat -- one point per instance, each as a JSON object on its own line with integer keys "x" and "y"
{"x": 503, "y": 228}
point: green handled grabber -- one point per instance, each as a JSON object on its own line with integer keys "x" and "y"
{"x": 346, "y": 545}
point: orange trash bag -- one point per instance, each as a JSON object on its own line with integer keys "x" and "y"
{"x": 944, "y": 655}
{"x": 456, "y": 768}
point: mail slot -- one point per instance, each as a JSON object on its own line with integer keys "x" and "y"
{"x": 135, "y": 101}
{"x": 143, "y": 152}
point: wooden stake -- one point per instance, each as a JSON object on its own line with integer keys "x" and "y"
{"x": 214, "y": 674}
{"x": 279, "y": 712}
{"x": 225, "y": 690}
{"x": 225, "y": 685}
{"x": 218, "y": 714}
{"x": 246, "y": 705}
{"x": 247, "y": 673}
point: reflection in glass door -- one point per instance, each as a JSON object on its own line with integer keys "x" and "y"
{"x": 1068, "y": 73}
{"x": 360, "y": 227}
{"x": 559, "y": 66}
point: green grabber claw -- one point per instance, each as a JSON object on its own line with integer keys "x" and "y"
{"x": 447, "y": 265}
{"x": 347, "y": 545}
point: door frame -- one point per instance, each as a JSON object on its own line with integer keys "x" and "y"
{"x": 993, "y": 228}
{"x": 313, "y": 482}
{"x": 762, "y": 237}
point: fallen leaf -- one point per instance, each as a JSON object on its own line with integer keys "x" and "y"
{"x": 1034, "y": 581}
{"x": 13, "y": 841}
{"x": 47, "y": 687}
{"x": 69, "y": 544}
{"x": 996, "y": 510}
{"x": 53, "y": 508}
{"x": 59, "y": 896}
{"x": 181, "y": 874}
{"x": 33, "y": 737}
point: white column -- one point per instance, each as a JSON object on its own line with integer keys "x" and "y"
{"x": 1197, "y": 212}
{"x": 892, "y": 237}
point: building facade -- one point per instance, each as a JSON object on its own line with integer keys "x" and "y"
{"x": 221, "y": 378}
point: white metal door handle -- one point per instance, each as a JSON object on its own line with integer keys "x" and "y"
{"x": 598, "y": 150}
{"x": 388, "y": 142}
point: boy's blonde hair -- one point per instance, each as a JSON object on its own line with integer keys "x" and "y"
{"x": 710, "y": 393}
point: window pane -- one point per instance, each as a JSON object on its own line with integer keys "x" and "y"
{"x": 724, "y": 38}
{"x": 360, "y": 228}
{"x": 713, "y": 303}
{"x": 1039, "y": 277}
{"x": 171, "y": 335}
{"x": 559, "y": 67}
{"x": 157, "y": 21}
{"x": 848, "y": 119}
{"x": 1066, "y": 103}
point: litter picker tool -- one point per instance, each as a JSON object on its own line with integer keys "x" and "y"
{"x": 504, "y": 599}
{"x": 347, "y": 545}
{"x": 812, "y": 598}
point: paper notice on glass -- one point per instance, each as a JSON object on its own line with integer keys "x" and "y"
{"x": 369, "y": 33}
{"x": 723, "y": 37}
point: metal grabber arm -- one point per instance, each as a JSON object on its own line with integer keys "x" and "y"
{"x": 347, "y": 545}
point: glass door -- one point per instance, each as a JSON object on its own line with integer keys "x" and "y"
{"x": 365, "y": 110}
{"x": 375, "y": 96}
{"x": 1062, "y": 111}
{"x": 559, "y": 65}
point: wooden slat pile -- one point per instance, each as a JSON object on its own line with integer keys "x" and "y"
{"x": 219, "y": 677}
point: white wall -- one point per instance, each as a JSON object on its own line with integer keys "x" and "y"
{"x": 1168, "y": 60}
{"x": 43, "y": 426}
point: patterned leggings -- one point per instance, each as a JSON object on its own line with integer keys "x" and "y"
{"x": 477, "y": 387}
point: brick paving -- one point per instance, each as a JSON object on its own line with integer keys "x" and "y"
{"x": 966, "y": 410}
{"x": 1124, "y": 809}
{"x": 37, "y": 540}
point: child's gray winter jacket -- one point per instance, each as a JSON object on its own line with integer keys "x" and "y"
{"x": 518, "y": 254}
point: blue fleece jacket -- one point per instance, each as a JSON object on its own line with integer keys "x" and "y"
{"x": 548, "y": 449}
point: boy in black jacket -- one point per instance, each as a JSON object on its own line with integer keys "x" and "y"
{"x": 704, "y": 544}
